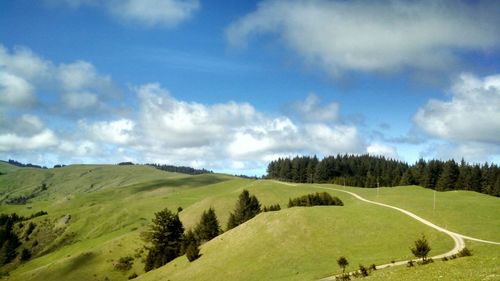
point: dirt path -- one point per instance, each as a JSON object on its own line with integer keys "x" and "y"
{"x": 457, "y": 238}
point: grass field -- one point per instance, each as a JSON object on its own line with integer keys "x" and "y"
{"x": 109, "y": 206}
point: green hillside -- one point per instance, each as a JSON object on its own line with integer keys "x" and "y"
{"x": 97, "y": 213}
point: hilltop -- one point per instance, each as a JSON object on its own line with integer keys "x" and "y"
{"x": 96, "y": 214}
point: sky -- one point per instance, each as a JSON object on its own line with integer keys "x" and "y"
{"x": 231, "y": 85}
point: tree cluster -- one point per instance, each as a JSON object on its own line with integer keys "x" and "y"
{"x": 373, "y": 171}
{"x": 315, "y": 199}
{"x": 271, "y": 208}
{"x": 167, "y": 239}
{"x": 180, "y": 169}
{"x": 246, "y": 208}
{"x": 22, "y": 165}
{"x": 9, "y": 241}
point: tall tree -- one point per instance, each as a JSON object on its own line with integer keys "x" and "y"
{"x": 246, "y": 208}
{"x": 449, "y": 176}
{"x": 165, "y": 238}
{"x": 208, "y": 227}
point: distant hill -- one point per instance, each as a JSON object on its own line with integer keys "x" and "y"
{"x": 96, "y": 214}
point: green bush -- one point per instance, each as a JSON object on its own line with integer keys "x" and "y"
{"x": 465, "y": 252}
{"x": 124, "y": 263}
{"x": 315, "y": 199}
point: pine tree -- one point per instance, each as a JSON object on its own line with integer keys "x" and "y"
{"x": 448, "y": 177}
{"x": 421, "y": 248}
{"x": 208, "y": 227}
{"x": 165, "y": 238}
{"x": 246, "y": 208}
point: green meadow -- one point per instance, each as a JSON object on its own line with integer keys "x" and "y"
{"x": 96, "y": 214}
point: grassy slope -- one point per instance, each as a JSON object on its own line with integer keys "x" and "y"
{"x": 107, "y": 221}
{"x": 479, "y": 213}
{"x": 483, "y": 265}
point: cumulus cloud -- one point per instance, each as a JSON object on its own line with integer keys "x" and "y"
{"x": 11, "y": 142}
{"x": 311, "y": 110}
{"x": 117, "y": 132}
{"x": 233, "y": 131}
{"x": 14, "y": 90}
{"x": 380, "y": 149}
{"x": 472, "y": 113}
{"x": 374, "y": 35}
{"x": 168, "y": 13}
{"x": 79, "y": 86}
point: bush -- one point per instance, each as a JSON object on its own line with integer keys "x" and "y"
{"x": 272, "y": 208}
{"x": 421, "y": 249}
{"x": 373, "y": 267}
{"x": 25, "y": 255}
{"x": 465, "y": 252}
{"x": 192, "y": 252}
{"x": 315, "y": 199}
{"x": 124, "y": 263}
{"x": 363, "y": 271}
{"x": 410, "y": 263}
{"x": 132, "y": 276}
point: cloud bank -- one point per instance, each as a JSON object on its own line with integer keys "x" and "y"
{"x": 374, "y": 36}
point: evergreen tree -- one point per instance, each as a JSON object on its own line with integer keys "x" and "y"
{"x": 246, "y": 208}
{"x": 421, "y": 248}
{"x": 208, "y": 227}
{"x": 190, "y": 246}
{"x": 165, "y": 238}
{"x": 449, "y": 176}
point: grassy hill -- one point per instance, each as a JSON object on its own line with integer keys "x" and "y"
{"x": 97, "y": 212}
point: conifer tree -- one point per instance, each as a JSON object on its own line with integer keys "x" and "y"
{"x": 165, "y": 238}
{"x": 246, "y": 208}
{"x": 208, "y": 227}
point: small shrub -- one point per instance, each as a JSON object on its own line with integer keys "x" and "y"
{"x": 344, "y": 277}
{"x": 444, "y": 259}
{"x": 179, "y": 209}
{"x": 363, "y": 270}
{"x": 452, "y": 257}
{"x": 465, "y": 253}
{"x": 192, "y": 252}
{"x": 410, "y": 263}
{"x": 124, "y": 263}
{"x": 272, "y": 208}
{"x": 132, "y": 276}
{"x": 25, "y": 255}
{"x": 373, "y": 267}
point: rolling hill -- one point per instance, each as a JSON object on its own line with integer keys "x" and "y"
{"x": 96, "y": 214}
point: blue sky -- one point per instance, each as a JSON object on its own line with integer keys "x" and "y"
{"x": 231, "y": 85}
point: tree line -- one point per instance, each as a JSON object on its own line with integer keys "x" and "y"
{"x": 180, "y": 169}
{"x": 373, "y": 171}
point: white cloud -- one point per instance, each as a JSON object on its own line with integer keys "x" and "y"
{"x": 79, "y": 86}
{"x": 472, "y": 114}
{"x": 154, "y": 12}
{"x": 167, "y": 13}
{"x": 374, "y": 35}
{"x": 15, "y": 90}
{"x": 117, "y": 132}
{"x": 380, "y": 149}
{"x": 44, "y": 139}
{"x": 80, "y": 100}
{"x": 24, "y": 63}
{"x": 311, "y": 110}
{"x": 227, "y": 132}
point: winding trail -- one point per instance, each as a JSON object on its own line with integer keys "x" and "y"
{"x": 457, "y": 238}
